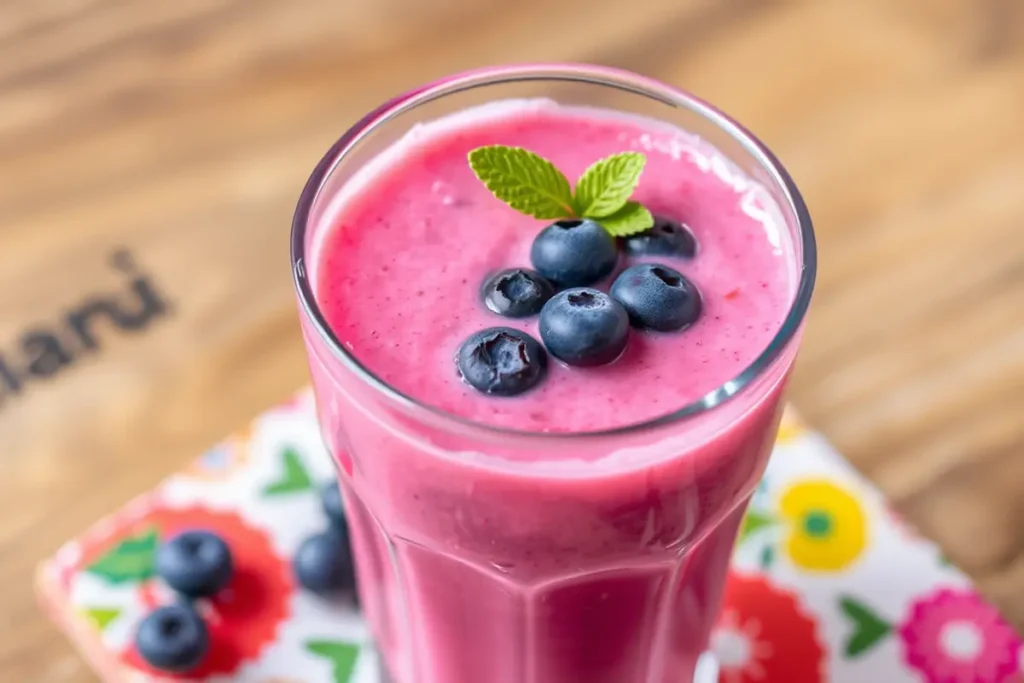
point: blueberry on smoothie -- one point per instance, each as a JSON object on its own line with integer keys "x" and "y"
{"x": 657, "y": 297}
{"x": 501, "y": 361}
{"x": 574, "y": 253}
{"x": 323, "y": 564}
{"x": 517, "y": 292}
{"x": 173, "y": 638}
{"x": 665, "y": 238}
{"x": 584, "y": 327}
{"x": 195, "y": 563}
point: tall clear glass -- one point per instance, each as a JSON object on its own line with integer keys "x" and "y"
{"x": 479, "y": 565}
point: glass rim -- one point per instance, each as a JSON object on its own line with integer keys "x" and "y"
{"x": 579, "y": 73}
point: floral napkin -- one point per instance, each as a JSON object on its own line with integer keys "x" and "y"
{"x": 827, "y": 583}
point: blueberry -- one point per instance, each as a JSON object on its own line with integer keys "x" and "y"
{"x": 574, "y": 253}
{"x": 584, "y": 327}
{"x": 195, "y": 563}
{"x": 173, "y": 638}
{"x": 323, "y": 564}
{"x": 665, "y": 238}
{"x": 517, "y": 292}
{"x": 501, "y": 361}
{"x": 330, "y": 501}
{"x": 657, "y": 297}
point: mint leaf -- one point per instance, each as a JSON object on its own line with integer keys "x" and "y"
{"x": 525, "y": 181}
{"x": 295, "y": 477}
{"x": 606, "y": 185}
{"x": 341, "y": 655}
{"x": 868, "y": 627}
{"x": 130, "y": 560}
{"x": 629, "y": 220}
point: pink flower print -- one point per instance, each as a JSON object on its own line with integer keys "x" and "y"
{"x": 954, "y": 636}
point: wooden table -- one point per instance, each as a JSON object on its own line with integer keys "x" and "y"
{"x": 182, "y": 131}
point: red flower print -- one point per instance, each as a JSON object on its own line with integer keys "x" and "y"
{"x": 764, "y": 636}
{"x": 243, "y": 618}
{"x": 954, "y": 636}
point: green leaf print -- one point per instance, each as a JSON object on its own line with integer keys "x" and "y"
{"x": 101, "y": 616}
{"x": 753, "y": 522}
{"x": 294, "y": 479}
{"x": 130, "y": 560}
{"x": 868, "y": 627}
{"x": 342, "y": 656}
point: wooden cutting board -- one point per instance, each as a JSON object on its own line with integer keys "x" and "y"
{"x": 158, "y": 148}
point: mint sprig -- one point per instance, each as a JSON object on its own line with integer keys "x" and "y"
{"x": 525, "y": 181}
{"x": 606, "y": 185}
{"x": 532, "y": 185}
{"x": 630, "y": 219}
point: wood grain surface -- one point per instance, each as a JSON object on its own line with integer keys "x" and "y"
{"x": 181, "y": 132}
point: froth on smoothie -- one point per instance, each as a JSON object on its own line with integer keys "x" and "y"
{"x": 397, "y": 269}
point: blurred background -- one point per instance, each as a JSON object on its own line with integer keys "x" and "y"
{"x": 168, "y": 141}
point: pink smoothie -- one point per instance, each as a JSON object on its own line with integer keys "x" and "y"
{"x": 488, "y": 558}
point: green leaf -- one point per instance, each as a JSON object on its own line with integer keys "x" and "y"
{"x": 101, "y": 616}
{"x": 607, "y": 184}
{"x": 130, "y": 560}
{"x": 868, "y": 627}
{"x": 525, "y": 181}
{"x": 342, "y": 656}
{"x": 629, "y": 220}
{"x": 754, "y": 522}
{"x": 294, "y": 479}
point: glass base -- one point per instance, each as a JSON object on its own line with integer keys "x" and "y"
{"x": 707, "y": 670}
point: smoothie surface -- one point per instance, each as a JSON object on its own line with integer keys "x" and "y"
{"x": 411, "y": 239}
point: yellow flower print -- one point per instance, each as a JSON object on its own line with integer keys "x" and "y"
{"x": 827, "y": 528}
{"x": 790, "y": 428}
